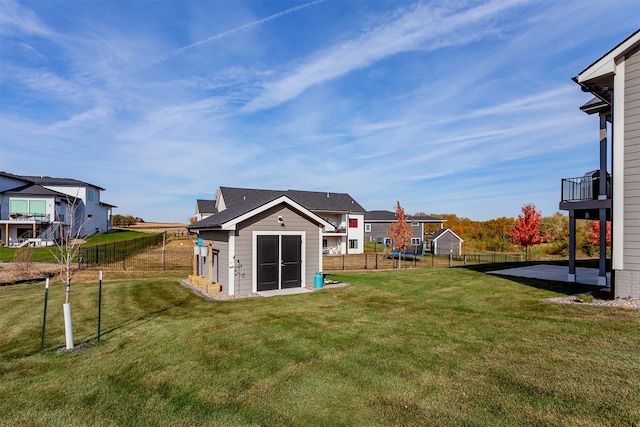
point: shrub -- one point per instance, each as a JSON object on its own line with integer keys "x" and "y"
{"x": 585, "y": 298}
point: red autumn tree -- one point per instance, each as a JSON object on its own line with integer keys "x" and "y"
{"x": 526, "y": 230}
{"x": 594, "y": 236}
{"x": 400, "y": 232}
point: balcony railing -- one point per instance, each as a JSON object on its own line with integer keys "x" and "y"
{"x": 583, "y": 188}
{"x": 14, "y": 216}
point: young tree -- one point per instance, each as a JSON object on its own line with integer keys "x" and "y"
{"x": 594, "y": 234}
{"x": 526, "y": 230}
{"x": 400, "y": 232}
{"x": 66, "y": 253}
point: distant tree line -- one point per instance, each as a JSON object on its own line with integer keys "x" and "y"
{"x": 494, "y": 235}
{"x": 125, "y": 220}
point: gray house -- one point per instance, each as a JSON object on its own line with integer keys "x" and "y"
{"x": 376, "y": 225}
{"x": 614, "y": 82}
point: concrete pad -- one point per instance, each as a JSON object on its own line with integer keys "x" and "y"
{"x": 588, "y": 276}
{"x": 289, "y": 291}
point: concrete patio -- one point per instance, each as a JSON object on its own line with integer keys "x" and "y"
{"x": 588, "y": 276}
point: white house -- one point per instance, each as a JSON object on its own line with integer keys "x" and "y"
{"x": 33, "y": 208}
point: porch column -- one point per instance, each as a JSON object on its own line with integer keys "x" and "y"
{"x": 602, "y": 195}
{"x": 572, "y": 247}
{"x": 602, "y": 272}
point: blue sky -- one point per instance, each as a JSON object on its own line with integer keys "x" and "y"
{"x": 462, "y": 107}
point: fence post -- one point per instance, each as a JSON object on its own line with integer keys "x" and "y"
{"x": 342, "y": 262}
{"x": 365, "y": 260}
{"x": 450, "y": 259}
{"x": 376, "y": 261}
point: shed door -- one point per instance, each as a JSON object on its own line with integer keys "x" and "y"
{"x": 268, "y": 265}
{"x": 279, "y": 262}
{"x": 291, "y": 262}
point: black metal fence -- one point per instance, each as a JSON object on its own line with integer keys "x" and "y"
{"x": 142, "y": 253}
{"x": 142, "y": 259}
{"x": 382, "y": 261}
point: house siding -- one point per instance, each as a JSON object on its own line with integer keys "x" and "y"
{"x": 267, "y": 221}
{"x": 220, "y": 240}
{"x": 446, "y": 244}
{"x": 627, "y": 282}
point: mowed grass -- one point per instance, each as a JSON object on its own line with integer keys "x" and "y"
{"x": 441, "y": 346}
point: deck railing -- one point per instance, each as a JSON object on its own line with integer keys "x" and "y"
{"x": 14, "y": 216}
{"x": 583, "y": 188}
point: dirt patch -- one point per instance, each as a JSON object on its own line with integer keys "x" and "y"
{"x": 76, "y": 349}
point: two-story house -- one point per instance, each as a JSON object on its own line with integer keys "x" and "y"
{"x": 339, "y": 209}
{"x": 614, "y": 82}
{"x": 377, "y": 223}
{"x": 34, "y": 208}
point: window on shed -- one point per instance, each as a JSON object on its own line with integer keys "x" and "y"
{"x": 353, "y": 223}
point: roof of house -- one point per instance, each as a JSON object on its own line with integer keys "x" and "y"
{"x": 241, "y": 210}
{"x": 47, "y": 180}
{"x": 206, "y": 206}
{"x": 312, "y": 200}
{"x": 388, "y": 216}
{"x": 34, "y": 190}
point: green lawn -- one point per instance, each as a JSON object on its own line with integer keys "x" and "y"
{"x": 45, "y": 254}
{"x": 441, "y": 346}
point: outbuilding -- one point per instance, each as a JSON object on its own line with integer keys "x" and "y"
{"x": 445, "y": 242}
{"x": 262, "y": 243}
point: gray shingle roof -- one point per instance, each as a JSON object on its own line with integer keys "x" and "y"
{"x": 388, "y": 216}
{"x": 312, "y": 200}
{"x": 34, "y": 190}
{"x": 206, "y": 206}
{"x": 239, "y": 201}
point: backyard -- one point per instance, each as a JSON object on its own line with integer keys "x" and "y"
{"x": 437, "y": 346}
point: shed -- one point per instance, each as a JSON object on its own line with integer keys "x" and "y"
{"x": 263, "y": 243}
{"x": 445, "y": 242}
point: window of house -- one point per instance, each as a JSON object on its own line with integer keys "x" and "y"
{"x": 37, "y": 207}
{"x": 18, "y": 206}
{"x": 325, "y": 243}
{"x": 353, "y": 244}
{"x": 415, "y": 224}
{"x": 367, "y": 228}
{"x": 415, "y": 241}
{"x": 90, "y": 195}
{"x": 353, "y": 223}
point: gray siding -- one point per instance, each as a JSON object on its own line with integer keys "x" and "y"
{"x": 268, "y": 221}
{"x": 220, "y": 241}
{"x": 379, "y": 231}
{"x": 447, "y": 243}
{"x": 628, "y": 280}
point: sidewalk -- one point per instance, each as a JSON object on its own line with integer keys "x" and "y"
{"x": 588, "y": 276}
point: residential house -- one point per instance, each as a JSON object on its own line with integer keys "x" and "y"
{"x": 270, "y": 239}
{"x": 602, "y": 195}
{"x": 204, "y": 209}
{"x": 376, "y": 225}
{"x": 34, "y": 208}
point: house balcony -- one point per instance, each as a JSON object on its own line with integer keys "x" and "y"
{"x": 337, "y": 232}
{"x": 22, "y": 218}
{"x": 581, "y": 195}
